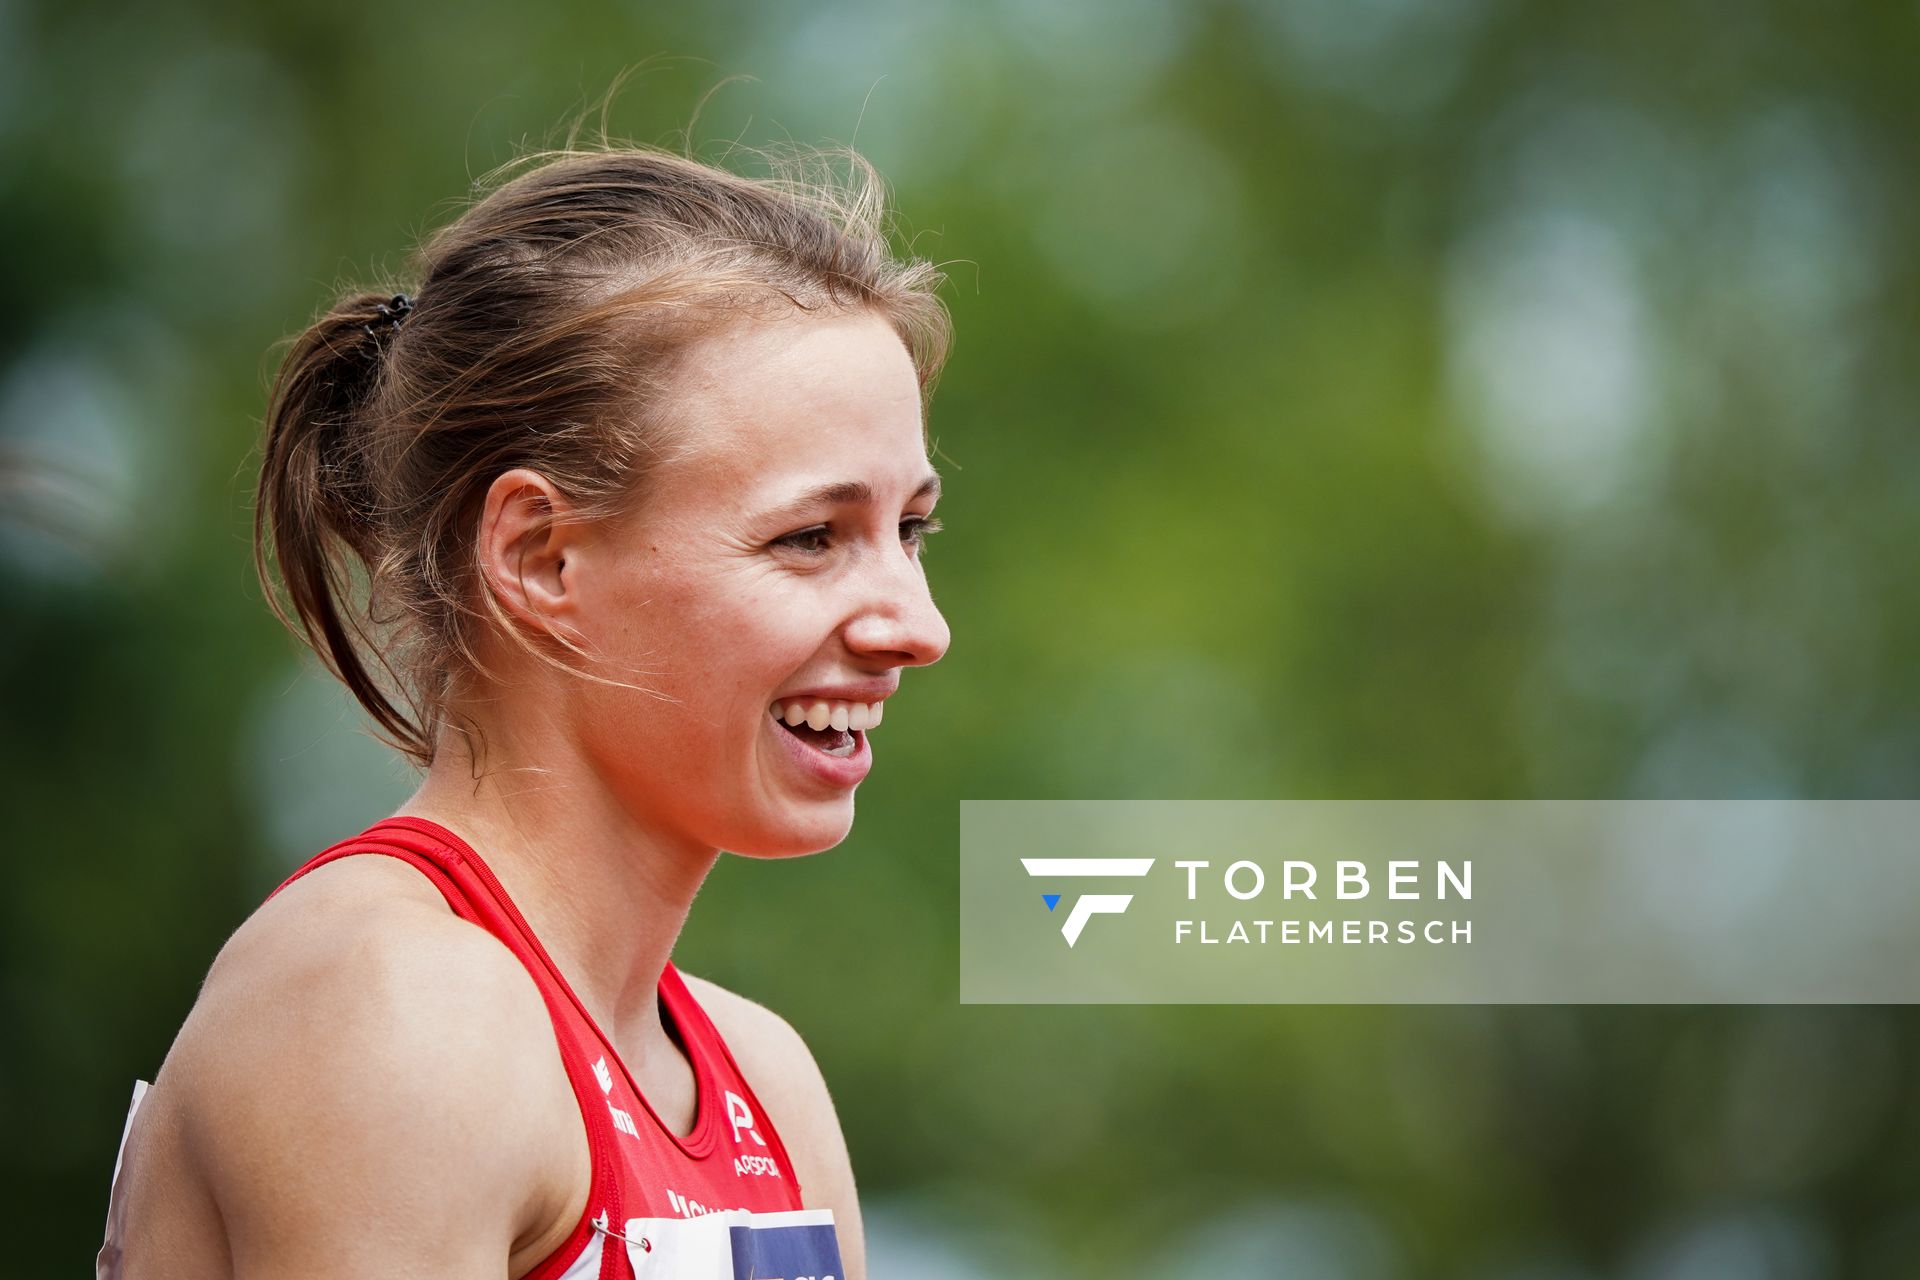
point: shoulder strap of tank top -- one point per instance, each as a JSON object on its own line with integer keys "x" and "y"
{"x": 425, "y": 856}
{"x": 464, "y": 880}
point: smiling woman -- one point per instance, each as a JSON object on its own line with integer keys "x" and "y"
{"x": 636, "y": 483}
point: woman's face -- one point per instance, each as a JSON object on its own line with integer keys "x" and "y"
{"x": 772, "y": 562}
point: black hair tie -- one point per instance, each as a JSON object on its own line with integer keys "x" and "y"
{"x": 391, "y": 312}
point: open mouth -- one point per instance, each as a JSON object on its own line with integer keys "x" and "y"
{"x": 831, "y": 728}
{"x": 830, "y": 741}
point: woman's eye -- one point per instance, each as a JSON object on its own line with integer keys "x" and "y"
{"x": 812, "y": 540}
{"x": 915, "y": 531}
{"x": 819, "y": 539}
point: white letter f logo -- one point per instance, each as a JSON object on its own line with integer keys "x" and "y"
{"x": 1087, "y": 905}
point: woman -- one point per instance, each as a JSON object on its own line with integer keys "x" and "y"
{"x": 638, "y": 481}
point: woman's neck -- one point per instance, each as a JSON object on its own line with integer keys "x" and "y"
{"x": 606, "y": 894}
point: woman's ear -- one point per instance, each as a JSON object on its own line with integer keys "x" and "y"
{"x": 526, "y": 531}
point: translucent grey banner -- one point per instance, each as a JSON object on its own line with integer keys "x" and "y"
{"x": 1440, "y": 902}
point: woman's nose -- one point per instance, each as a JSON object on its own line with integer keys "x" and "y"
{"x": 898, "y": 622}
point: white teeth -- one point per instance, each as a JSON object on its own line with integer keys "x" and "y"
{"x": 857, "y": 716}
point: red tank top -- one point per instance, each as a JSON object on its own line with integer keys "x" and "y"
{"x": 722, "y": 1201}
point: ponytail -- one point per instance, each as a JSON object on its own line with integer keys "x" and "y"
{"x": 318, "y": 510}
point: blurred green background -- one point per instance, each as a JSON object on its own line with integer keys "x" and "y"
{"x": 1352, "y": 398}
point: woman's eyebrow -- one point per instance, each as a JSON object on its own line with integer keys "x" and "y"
{"x": 843, "y": 493}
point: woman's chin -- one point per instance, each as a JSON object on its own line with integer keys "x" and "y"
{"x": 815, "y": 831}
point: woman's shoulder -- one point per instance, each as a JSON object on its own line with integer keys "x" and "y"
{"x": 361, "y": 956}
{"x": 776, "y": 1061}
{"x": 748, "y": 1027}
{"x": 354, "y": 1041}
{"x": 784, "y": 1076}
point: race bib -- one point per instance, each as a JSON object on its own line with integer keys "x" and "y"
{"x": 735, "y": 1244}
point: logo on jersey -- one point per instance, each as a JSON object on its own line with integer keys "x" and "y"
{"x": 1087, "y": 905}
{"x": 741, "y": 1119}
{"x": 622, "y": 1120}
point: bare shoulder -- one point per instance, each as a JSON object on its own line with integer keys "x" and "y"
{"x": 788, "y": 1082}
{"x": 753, "y": 1031}
{"x": 777, "y": 1063}
{"x": 355, "y": 1043}
{"x": 356, "y": 969}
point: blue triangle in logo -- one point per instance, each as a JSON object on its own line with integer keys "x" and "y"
{"x": 1051, "y": 899}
